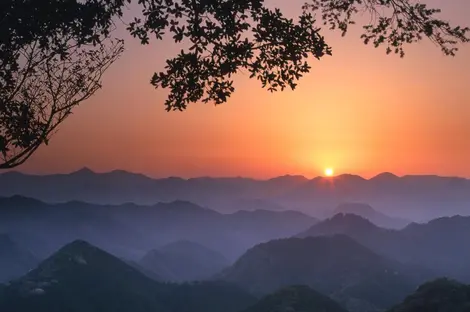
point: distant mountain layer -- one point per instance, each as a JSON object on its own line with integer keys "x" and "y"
{"x": 296, "y": 299}
{"x": 83, "y": 278}
{"x": 14, "y": 260}
{"x": 184, "y": 261}
{"x": 130, "y": 230}
{"x": 415, "y": 197}
{"x": 439, "y": 245}
{"x": 441, "y": 295}
{"x": 336, "y": 266}
{"x": 366, "y": 211}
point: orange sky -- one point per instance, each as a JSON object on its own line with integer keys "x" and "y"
{"x": 359, "y": 111}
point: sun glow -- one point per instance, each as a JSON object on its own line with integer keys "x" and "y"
{"x": 329, "y": 172}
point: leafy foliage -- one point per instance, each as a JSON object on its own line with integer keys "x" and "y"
{"x": 393, "y": 23}
{"x": 52, "y": 56}
{"x": 228, "y": 36}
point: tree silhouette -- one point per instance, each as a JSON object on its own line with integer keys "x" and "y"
{"x": 52, "y": 57}
{"x": 225, "y": 36}
{"x": 219, "y": 39}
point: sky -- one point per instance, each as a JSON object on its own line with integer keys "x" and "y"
{"x": 358, "y": 111}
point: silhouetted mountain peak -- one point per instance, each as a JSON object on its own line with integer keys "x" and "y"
{"x": 289, "y": 178}
{"x": 443, "y": 223}
{"x": 18, "y": 202}
{"x": 341, "y": 223}
{"x": 335, "y": 265}
{"x": 85, "y": 171}
{"x": 122, "y": 172}
{"x": 350, "y": 220}
{"x": 385, "y": 176}
{"x": 452, "y": 220}
{"x": 366, "y": 211}
{"x": 78, "y": 252}
{"x": 77, "y": 264}
{"x": 75, "y": 254}
{"x": 77, "y": 246}
{"x": 350, "y": 177}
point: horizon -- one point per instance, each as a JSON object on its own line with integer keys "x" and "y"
{"x": 358, "y": 111}
{"x": 309, "y": 178}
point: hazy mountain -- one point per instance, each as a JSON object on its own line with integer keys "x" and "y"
{"x": 14, "y": 260}
{"x": 357, "y": 227}
{"x": 366, "y": 211}
{"x": 344, "y": 223}
{"x": 418, "y": 198}
{"x": 130, "y": 230}
{"x": 336, "y": 266}
{"x": 441, "y": 295}
{"x": 43, "y": 228}
{"x": 296, "y": 298}
{"x": 184, "y": 261}
{"x": 439, "y": 245}
{"x": 83, "y": 278}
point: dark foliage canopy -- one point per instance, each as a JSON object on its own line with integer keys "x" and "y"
{"x": 218, "y": 37}
{"x": 227, "y": 36}
{"x": 52, "y": 57}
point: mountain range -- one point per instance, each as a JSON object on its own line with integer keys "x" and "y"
{"x": 130, "y": 230}
{"x": 366, "y": 211}
{"x": 327, "y": 274}
{"x": 439, "y": 245}
{"x": 336, "y": 266}
{"x": 82, "y": 278}
{"x": 418, "y": 198}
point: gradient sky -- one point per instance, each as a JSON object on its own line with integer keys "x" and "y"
{"x": 359, "y": 111}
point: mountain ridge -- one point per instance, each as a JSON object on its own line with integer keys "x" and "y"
{"x": 131, "y": 230}
{"x": 437, "y": 245}
{"x": 335, "y": 265}
{"x": 81, "y": 277}
{"x": 412, "y": 196}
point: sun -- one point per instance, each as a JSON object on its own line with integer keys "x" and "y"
{"x": 329, "y": 172}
